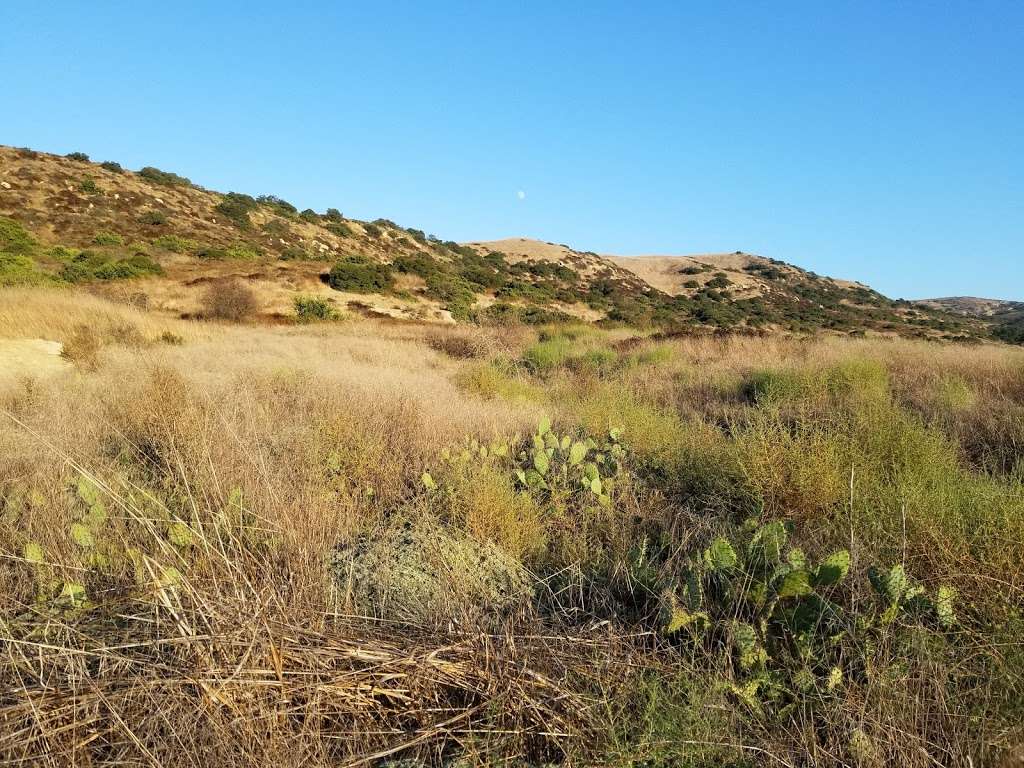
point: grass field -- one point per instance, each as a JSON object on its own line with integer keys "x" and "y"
{"x": 350, "y": 543}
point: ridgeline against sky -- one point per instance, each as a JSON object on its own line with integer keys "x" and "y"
{"x": 875, "y": 142}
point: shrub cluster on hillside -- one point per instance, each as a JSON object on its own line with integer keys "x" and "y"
{"x": 358, "y": 274}
{"x": 93, "y": 265}
{"x": 163, "y": 178}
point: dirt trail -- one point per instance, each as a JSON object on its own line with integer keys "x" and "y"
{"x": 29, "y": 357}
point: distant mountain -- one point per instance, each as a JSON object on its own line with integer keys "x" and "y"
{"x": 154, "y": 236}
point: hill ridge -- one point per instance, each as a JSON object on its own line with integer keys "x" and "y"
{"x": 152, "y": 232}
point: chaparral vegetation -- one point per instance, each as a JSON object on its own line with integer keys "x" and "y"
{"x": 290, "y": 488}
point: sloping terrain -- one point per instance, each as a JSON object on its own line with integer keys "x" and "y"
{"x": 155, "y": 238}
{"x": 1006, "y": 317}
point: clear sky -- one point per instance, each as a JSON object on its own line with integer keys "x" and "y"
{"x": 882, "y": 141}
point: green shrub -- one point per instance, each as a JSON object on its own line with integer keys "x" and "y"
{"x": 694, "y": 270}
{"x": 153, "y": 218}
{"x": 294, "y": 253}
{"x": 310, "y": 215}
{"x": 594, "y": 361}
{"x": 16, "y": 269}
{"x": 546, "y": 356}
{"x": 14, "y": 239}
{"x": 61, "y": 253}
{"x": 107, "y": 238}
{"x": 111, "y": 166}
{"x": 163, "y": 178}
{"x": 90, "y": 265}
{"x": 80, "y": 157}
{"x": 236, "y": 207}
{"x": 176, "y": 244}
{"x": 283, "y": 207}
{"x": 720, "y": 280}
{"x": 124, "y": 269}
{"x": 89, "y": 187}
{"x": 333, "y": 214}
{"x": 276, "y": 228}
{"x": 358, "y": 274}
{"x": 339, "y": 228}
{"x": 310, "y": 309}
{"x": 454, "y": 292}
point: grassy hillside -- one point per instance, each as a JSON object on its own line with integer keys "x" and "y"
{"x": 1006, "y": 318}
{"x": 281, "y": 487}
{"x": 418, "y": 544}
{"x": 155, "y": 237}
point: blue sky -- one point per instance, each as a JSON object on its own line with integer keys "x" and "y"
{"x": 878, "y": 141}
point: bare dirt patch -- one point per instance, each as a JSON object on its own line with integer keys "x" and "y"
{"x": 30, "y": 357}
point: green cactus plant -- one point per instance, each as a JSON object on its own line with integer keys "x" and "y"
{"x": 33, "y": 553}
{"x": 762, "y": 598}
{"x": 903, "y": 598}
{"x": 772, "y": 607}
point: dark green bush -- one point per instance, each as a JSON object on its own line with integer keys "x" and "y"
{"x": 236, "y": 207}
{"x": 333, "y": 214}
{"x": 163, "y": 178}
{"x": 80, "y": 157}
{"x": 358, "y": 274}
{"x": 281, "y": 206}
{"x": 310, "y": 215}
{"x": 504, "y": 313}
{"x": 295, "y": 254}
{"x": 276, "y": 227}
{"x": 454, "y": 292}
{"x": 111, "y": 166}
{"x": 153, "y": 218}
{"x": 338, "y": 228}
{"x": 138, "y": 265}
{"x": 720, "y": 280}
{"x": 88, "y": 186}
{"x": 91, "y": 265}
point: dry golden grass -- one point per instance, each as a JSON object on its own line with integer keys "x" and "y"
{"x": 243, "y": 458}
{"x": 56, "y": 314}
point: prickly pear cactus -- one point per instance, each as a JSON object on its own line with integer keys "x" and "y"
{"x": 547, "y": 464}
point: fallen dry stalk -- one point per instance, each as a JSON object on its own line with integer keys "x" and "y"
{"x": 116, "y": 689}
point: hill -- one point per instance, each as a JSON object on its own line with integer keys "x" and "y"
{"x": 1005, "y": 318}
{"x": 470, "y": 541}
{"x": 154, "y": 236}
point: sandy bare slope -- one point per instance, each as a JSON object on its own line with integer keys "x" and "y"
{"x": 29, "y": 357}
